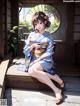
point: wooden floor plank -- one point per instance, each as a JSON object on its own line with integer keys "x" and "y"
{"x": 0, "y": 92}
{"x": 3, "y": 68}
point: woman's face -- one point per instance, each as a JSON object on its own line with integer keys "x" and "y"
{"x": 40, "y": 27}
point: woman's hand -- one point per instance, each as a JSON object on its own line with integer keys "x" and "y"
{"x": 35, "y": 46}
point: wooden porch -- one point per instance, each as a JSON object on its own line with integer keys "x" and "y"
{"x": 67, "y": 53}
{"x": 14, "y": 83}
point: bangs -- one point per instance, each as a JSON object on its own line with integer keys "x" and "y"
{"x": 36, "y": 20}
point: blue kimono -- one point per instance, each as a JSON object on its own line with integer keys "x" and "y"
{"x": 42, "y": 55}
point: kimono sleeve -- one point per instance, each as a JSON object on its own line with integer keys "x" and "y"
{"x": 26, "y": 49}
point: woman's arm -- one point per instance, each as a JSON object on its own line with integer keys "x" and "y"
{"x": 26, "y": 49}
{"x": 29, "y": 46}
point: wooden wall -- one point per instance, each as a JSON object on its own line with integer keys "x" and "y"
{"x": 76, "y": 35}
{"x": 7, "y": 23}
{"x": 76, "y": 28}
{"x": 9, "y": 18}
{"x": 2, "y": 27}
{"x": 14, "y": 13}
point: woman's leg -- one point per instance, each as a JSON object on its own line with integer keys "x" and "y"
{"x": 57, "y": 79}
{"x": 37, "y": 72}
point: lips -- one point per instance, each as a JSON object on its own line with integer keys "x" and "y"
{"x": 36, "y": 30}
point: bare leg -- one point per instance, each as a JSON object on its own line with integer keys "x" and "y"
{"x": 37, "y": 72}
{"x": 57, "y": 79}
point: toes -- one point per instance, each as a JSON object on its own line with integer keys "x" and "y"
{"x": 59, "y": 101}
{"x": 62, "y": 84}
{"x": 59, "y": 97}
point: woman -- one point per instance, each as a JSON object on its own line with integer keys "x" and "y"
{"x": 39, "y": 50}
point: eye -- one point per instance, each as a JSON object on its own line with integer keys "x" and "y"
{"x": 35, "y": 24}
{"x": 41, "y": 23}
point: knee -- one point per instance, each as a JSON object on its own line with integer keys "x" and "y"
{"x": 32, "y": 72}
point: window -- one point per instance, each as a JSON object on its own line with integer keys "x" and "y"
{"x": 26, "y": 14}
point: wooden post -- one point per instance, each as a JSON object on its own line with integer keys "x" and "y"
{"x": 14, "y": 13}
{"x": 1, "y": 31}
{"x": 69, "y": 33}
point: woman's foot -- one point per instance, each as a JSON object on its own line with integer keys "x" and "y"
{"x": 59, "y": 101}
{"x": 59, "y": 97}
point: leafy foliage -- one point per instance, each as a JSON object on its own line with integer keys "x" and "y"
{"x": 13, "y": 41}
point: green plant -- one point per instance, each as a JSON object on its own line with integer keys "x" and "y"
{"x": 13, "y": 41}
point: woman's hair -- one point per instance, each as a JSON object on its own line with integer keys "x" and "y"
{"x": 42, "y": 17}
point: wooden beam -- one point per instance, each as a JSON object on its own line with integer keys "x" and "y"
{"x": 29, "y": 3}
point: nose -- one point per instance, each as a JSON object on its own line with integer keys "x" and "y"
{"x": 37, "y": 27}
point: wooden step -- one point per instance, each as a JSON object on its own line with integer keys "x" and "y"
{"x": 22, "y": 80}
